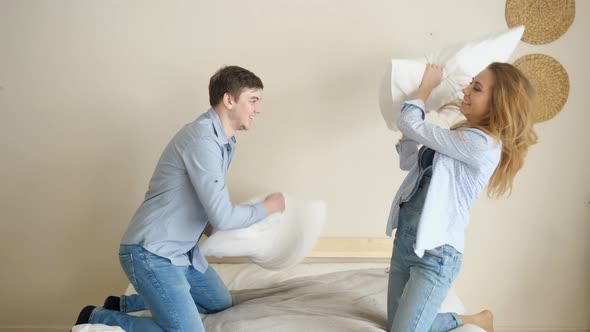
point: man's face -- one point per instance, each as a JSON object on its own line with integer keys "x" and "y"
{"x": 246, "y": 108}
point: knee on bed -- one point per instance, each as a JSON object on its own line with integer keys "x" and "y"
{"x": 222, "y": 302}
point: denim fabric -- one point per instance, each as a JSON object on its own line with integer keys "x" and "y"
{"x": 187, "y": 192}
{"x": 464, "y": 160}
{"x": 418, "y": 286}
{"x": 174, "y": 294}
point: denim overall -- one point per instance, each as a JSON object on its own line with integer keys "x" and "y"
{"x": 418, "y": 286}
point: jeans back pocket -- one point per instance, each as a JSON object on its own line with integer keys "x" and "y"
{"x": 126, "y": 261}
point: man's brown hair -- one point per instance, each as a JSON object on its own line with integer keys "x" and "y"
{"x": 232, "y": 80}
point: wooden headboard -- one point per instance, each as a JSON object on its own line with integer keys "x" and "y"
{"x": 337, "y": 249}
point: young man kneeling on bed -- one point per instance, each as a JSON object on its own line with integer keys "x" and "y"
{"x": 187, "y": 193}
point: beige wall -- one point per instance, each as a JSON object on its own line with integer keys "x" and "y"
{"x": 91, "y": 91}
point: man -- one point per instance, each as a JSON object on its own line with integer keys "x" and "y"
{"x": 187, "y": 194}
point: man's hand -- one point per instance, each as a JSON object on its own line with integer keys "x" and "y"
{"x": 274, "y": 202}
{"x": 430, "y": 80}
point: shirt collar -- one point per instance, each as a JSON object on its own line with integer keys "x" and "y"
{"x": 218, "y": 128}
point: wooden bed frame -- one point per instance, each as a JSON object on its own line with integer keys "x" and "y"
{"x": 337, "y": 249}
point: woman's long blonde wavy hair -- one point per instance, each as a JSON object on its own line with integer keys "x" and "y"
{"x": 510, "y": 121}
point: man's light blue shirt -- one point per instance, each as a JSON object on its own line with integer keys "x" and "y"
{"x": 187, "y": 192}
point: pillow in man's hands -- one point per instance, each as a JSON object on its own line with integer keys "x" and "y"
{"x": 276, "y": 242}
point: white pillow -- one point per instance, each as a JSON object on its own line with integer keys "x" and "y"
{"x": 461, "y": 63}
{"x": 276, "y": 242}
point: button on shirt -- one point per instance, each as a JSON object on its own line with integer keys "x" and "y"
{"x": 187, "y": 192}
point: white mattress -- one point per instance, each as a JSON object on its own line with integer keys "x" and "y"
{"x": 297, "y": 293}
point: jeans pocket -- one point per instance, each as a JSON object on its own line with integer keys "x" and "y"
{"x": 126, "y": 261}
{"x": 436, "y": 253}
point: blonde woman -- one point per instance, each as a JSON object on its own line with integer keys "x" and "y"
{"x": 446, "y": 175}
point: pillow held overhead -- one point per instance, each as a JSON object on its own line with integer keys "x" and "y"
{"x": 460, "y": 62}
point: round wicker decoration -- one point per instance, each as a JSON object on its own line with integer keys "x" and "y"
{"x": 544, "y": 20}
{"x": 550, "y": 81}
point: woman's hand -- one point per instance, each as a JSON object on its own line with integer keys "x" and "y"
{"x": 208, "y": 230}
{"x": 430, "y": 80}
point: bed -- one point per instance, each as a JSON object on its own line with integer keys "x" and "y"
{"x": 340, "y": 286}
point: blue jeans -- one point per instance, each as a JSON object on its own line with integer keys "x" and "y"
{"x": 174, "y": 294}
{"x": 418, "y": 286}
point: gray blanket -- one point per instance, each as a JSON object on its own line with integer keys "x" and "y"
{"x": 340, "y": 301}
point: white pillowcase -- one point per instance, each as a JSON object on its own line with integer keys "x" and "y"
{"x": 279, "y": 241}
{"x": 460, "y": 62}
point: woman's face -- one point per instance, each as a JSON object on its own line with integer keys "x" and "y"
{"x": 478, "y": 97}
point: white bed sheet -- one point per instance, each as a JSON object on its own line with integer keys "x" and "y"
{"x": 243, "y": 279}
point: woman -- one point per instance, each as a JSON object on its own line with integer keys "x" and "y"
{"x": 447, "y": 174}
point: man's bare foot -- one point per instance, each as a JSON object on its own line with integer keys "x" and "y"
{"x": 484, "y": 319}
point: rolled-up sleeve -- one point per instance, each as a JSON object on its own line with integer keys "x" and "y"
{"x": 468, "y": 145}
{"x": 204, "y": 164}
